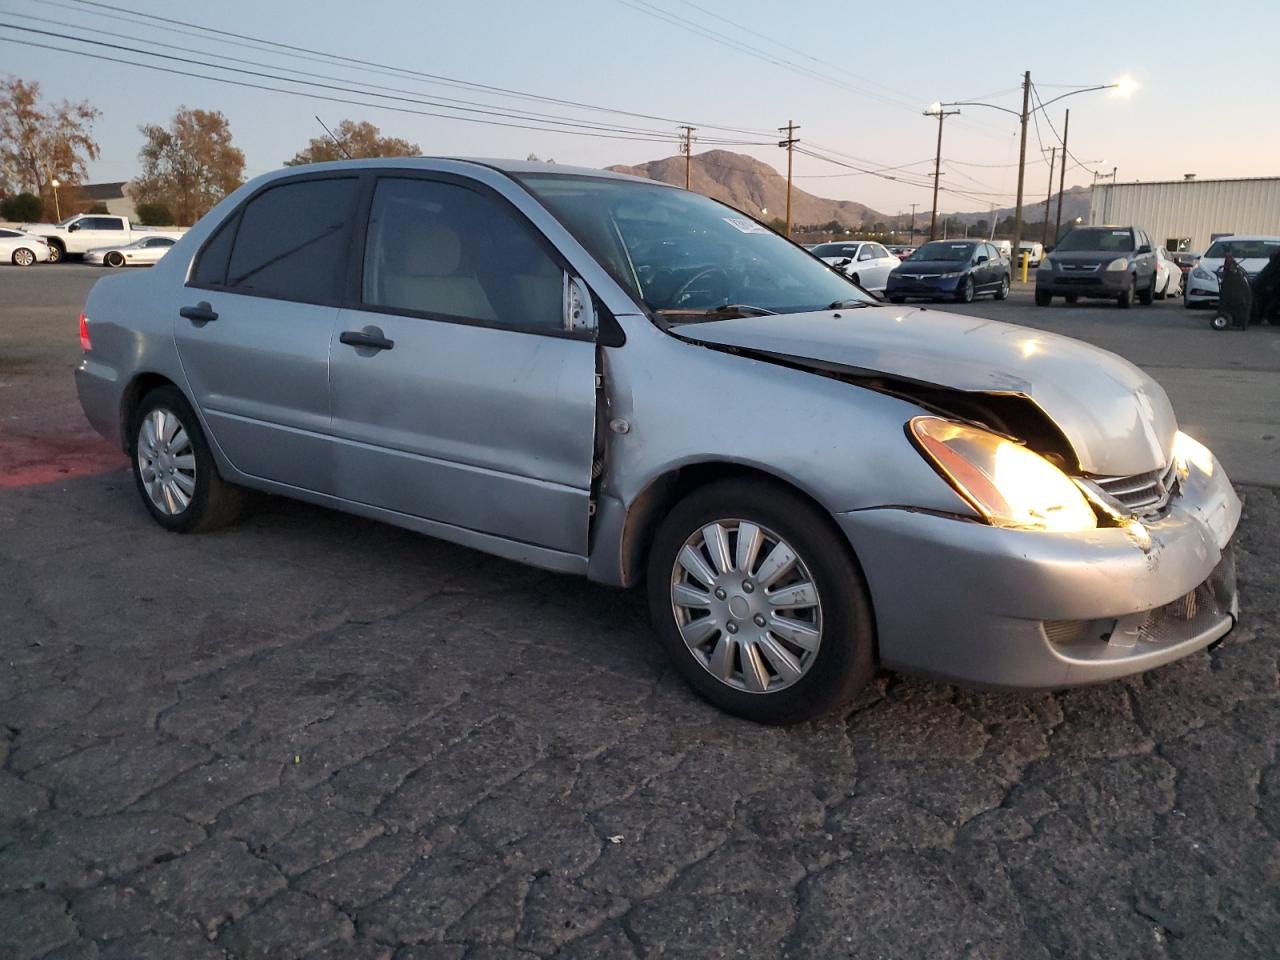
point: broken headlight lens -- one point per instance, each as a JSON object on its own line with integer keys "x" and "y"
{"x": 1188, "y": 453}
{"x": 1008, "y": 484}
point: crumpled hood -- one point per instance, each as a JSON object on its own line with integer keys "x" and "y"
{"x": 1116, "y": 418}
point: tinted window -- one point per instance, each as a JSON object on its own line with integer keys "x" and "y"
{"x": 101, "y": 223}
{"x": 944, "y": 250}
{"x": 445, "y": 250}
{"x": 159, "y": 242}
{"x": 1242, "y": 249}
{"x": 9, "y": 233}
{"x": 211, "y": 268}
{"x": 1104, "y": 239}
{"x": 835, "y": 250}
{"x": 293, "y": 241}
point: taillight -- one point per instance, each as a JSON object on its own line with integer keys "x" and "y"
{"x": 85, "y": 345}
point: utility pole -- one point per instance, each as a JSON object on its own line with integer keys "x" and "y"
{"x": 789, "y": 143}
{"x": 912, "y": 241}
{"x": 1062, "y": 179}
{"x": 1044, "y": 229}
{"x": 686, "y": 147}
{"x": 1022, "y": 165}
{"x": 942, "y": 115}
{"x": 993, "y": 222}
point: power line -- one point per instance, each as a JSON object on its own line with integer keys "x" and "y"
{"x": 113, "y": 12}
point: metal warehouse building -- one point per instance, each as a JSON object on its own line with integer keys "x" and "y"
{"x": 1188, "y": 214}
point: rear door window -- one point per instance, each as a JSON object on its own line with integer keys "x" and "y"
{"x": 293, "y": 241}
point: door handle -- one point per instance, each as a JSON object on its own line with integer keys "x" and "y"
{"x": 362, "y": 338}
{"x": 202, "y": 312}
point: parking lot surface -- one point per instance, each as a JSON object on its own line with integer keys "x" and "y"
{"x": 315, "y": 736}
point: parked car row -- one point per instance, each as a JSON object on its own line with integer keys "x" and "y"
{"x": 105, "y": 240}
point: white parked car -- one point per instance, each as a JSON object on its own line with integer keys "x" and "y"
{"x": 1168, "y": 275}
{"x": 1252, "y": 253}
{"x": 865, "y": 262}
{"x": 1034, "y": 249}
{"x": 140, "y": 253}
{"x": 88, "y": 231}
{"x": 22, "y": 249}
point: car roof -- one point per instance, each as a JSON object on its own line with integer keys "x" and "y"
{"x": 509, "y": 167}
{"x": 1248, "y": 237}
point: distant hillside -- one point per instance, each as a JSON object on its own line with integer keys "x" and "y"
{"x": 751, "y": 186}
{"x": 1075, "y": 203}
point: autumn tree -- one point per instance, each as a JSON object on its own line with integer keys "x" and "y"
{"x": 188, "y": 166}
{"x": 359, "y": 140}
{"x": 40, "y": 141}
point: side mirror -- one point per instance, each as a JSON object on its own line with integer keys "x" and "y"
{"x": 579, "y": 312}
{"x": 75, "y": 226}
{"x": 1144, "y": 249}
{"x": 982, "y": 258}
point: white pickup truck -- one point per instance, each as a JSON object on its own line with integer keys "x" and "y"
{"x": 85, "y": 231}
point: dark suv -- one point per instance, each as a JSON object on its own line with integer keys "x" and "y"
{"x": 1110, "y": 263}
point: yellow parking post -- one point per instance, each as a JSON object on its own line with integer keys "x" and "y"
{"x": 1026, "y": 260}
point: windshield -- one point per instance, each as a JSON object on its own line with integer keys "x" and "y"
{"x": 1103, "y": 239}
{"x": 1243, "y": 249}
{"x": 943, "y": 250}
{"x": 677, "y": 250}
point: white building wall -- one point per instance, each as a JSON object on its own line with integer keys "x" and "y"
{"x": 1196, "y": 209}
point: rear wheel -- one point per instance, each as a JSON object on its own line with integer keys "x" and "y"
{"x": 173, "y": 468}
{"x": 1125, "y": 300}
{"x": 22, "y": 257}
{"x": 1043, "y": 298}
{"x": 759, "y": 603}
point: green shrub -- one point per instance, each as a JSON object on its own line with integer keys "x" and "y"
{"x": 154, "y": 215}
{"x": 22, "y": 208}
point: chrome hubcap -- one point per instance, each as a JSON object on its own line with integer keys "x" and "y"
{"x": 166, "y": 462}
{"x": 746, "y": 606}
{"x": 25, "y": 258}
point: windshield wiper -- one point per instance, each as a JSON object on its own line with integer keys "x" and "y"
{"x": 845, "y": 304}
{"x": 724, "y": 312}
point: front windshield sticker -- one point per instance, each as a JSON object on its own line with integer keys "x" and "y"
{"x": 1119, "y": 233}
{"x": 743, "y": 225}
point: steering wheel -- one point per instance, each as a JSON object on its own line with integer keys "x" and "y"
{"x": 688, "y": 285}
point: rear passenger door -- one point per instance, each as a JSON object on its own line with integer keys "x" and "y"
{"x": 458, "y": 396}
{"x": 254, "y": 323}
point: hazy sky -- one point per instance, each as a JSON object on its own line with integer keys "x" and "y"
{"x": 1205, "y": 103}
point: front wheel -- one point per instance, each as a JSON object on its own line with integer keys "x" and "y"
{"x": 1002, "y": 293}
{"x": 173, "y": 468}
{"x": 1148, "y": 295}
{"x": 114, "y": 259}
{"x": 22, "y": 257}
{"x": 56, "y": 253}
{"x": 1125, "y": 300}
{"x": 759, "y": 603}
{"x": 1043, "y": 298}
{"x": 1220, "y": 321}
{"x": 965, "y": 294}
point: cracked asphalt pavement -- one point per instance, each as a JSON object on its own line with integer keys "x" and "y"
{"x": 313, "y": 736}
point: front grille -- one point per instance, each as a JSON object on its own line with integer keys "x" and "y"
{"x": 1079, "y": 267}
{"x": 1142, "y": 493}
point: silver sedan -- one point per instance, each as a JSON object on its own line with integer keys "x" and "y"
{"x": 141, "y": 253}
{"x": 615, "y": 378}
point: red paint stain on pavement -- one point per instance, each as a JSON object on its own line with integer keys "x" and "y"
{"x": 27, "y": 461}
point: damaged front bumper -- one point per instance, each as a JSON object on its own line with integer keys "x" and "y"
{"x": 964, "y": 601}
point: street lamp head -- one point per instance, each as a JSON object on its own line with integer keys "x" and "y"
{"x": 765, "y": 211}
{"x": 1124, "y": 86}
{"x": 55, "y": 183}
{"x": 933, "y": 109}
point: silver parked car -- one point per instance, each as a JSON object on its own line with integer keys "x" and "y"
{"x": 141, "y": 253}
{"x": 617, "y": 378}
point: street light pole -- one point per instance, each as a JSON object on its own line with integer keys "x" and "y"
{"x": 1062, "y": 178}
{"x": 57, "y": 210}
{"x": 1048, "y": 195}
{"x": 942, "y": 114}
{"x": 912, "y": 239}
{"x": 789, "y": 143}
{"x": 1022, "y": 165}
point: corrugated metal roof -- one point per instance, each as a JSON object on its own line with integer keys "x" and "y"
{"x": 1148, "y": 183}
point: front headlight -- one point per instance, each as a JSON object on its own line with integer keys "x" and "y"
{"x": 1046, "y": 264}
{"x": 1119, "y": 263}
{"x": 1200, "y": 273}
{"x": 952, "y": 275}
{"x": 1188, "y": 453}
{"x": 1004, "y": 481}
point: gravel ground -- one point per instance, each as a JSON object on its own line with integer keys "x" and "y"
{"x": 314, "y": 736}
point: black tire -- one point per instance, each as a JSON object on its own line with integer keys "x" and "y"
{"x": 844, "y": 661}
{"x": 1043, "y": 298}
{"x": 214, "y": 503}
{"x": 1220, "y": 321}
{"x": 966, "y": 291}
{"x": 1072, "y": 299}
{"x": 23, "y": 257}
{"x": 897, "y": 299}
{"x": 1145, "y": 297}
{"x": 56, "y": 253}
{"x": 114, "y": 259}
{"x": 1002, "y": 291}
{"x": 1163, "y": 293}
{"x": 1125, "y": 300}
